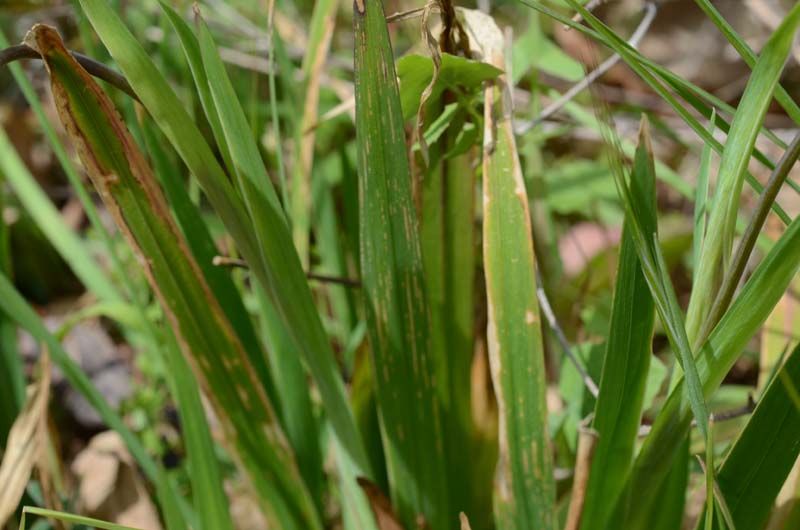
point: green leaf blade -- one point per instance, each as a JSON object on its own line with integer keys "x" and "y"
{"x": 628, "y": 351}
{"x": 763, "y": 455}
{"x": 262, "y": 237}
{"x": 129, "y": 189}
{"x": 742, "y": 320}
{"x": 716, "y": 252}
{"x": 393, "y": 284}
{"x": 524, "y": 493}
{"x": 17, "y": 309}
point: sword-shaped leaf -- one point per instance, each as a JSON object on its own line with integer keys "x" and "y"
{"x": 742, "y": 320}
{"x": 618, "y": 411}
{"x": 715, "y": 255}
{"x": 393, "y": 285}
{"x": 760, "y": 460}
{"x": 258, "y": 228}
{"x": 524, "y": 494}
{"x": 131, "y": 193}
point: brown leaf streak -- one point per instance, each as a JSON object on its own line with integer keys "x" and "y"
{"x": 134, "y": 166}
{"x": 48, "y": 43}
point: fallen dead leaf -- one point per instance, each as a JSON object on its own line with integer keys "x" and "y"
{"x": 110, "y": 487}
{"x": 24, "y": 445}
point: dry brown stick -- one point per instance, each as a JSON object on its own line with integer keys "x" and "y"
{"x": 587, "y": 441}
{"x": 97, "y": 69}
{"x": 236, "y": 263}
{"x": 723, "y": 415}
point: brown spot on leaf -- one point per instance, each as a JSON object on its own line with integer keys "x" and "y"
{"x": 385, "y": 516}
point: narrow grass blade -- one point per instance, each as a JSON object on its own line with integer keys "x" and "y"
{"x": 323, "y": 21}
{"x": 744, "y": 250}
{"x": 70, "y": 518}
{"x": 297, "y": 412}
{"x": 709, "y": 469}
{"x": 12, "y": 377}
{"x": 260, "y": 233}
{"x": 703, "y": 101}
{"x": 131, "y": 193}
{"x": 168, "y": 112}
{"x": 204, "y": 250}
{"x": 15, "y": 308}
{"x": 717, "y": 246}
{"x": 191, "y": 50}
{"x": 700, "y": 209}
{"x": 393, "y": 284}
{"x": 247, "y": 162}
{"x": 742, "y": 320}
{"x": 655, "y": 76}
{"x": 524, "y": 494}
{"x": 618, "y": 411}
{"x": 208, "y": 496}
{"x": 273, "y": 232}
{"x": 746, "y": 53}
{"x": 48, "y": 219}
{"x": 658, "y": 280}
{"x": 765, "y": 451}
{"x": 656, "y": 271}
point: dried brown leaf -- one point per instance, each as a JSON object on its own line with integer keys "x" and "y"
{"x": 24, "y": 446}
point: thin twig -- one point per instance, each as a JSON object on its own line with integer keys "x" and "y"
{"x": 562, "y": 339}
{"x": 731, "y": 414}
{"x": 273, "y": 107}
{"x": 95, "y": 68}
{"x": 236, "y": 263}
{"x": 650, "y": 11}
{"x": 407, "y": 15}
{"x": 587, "y": 442}
{"x": 15, "y": 53}
{"x": 716, "y": 417}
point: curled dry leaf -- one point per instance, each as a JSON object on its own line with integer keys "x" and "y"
{"x": 24, "y": 446}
